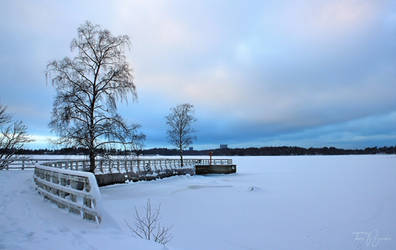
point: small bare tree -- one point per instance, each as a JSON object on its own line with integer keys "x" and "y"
{"x": 88, "y": 87}
{"x": 148, "y": 226}
{"x": 180, "y": 129}
{"x": 12, "y": 137}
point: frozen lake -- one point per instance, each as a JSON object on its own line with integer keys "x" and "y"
{"x": 287, "y": 202}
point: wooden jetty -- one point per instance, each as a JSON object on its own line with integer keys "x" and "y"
{"x": 111, "y": 171}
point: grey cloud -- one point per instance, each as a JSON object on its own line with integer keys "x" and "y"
{"x": 256, "y": 70}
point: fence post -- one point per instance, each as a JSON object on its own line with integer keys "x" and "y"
{"x": 138, "y": 166}
{"x": 118, "y": 166}
{"x": 131, "y": 162}
{"x": 110, "y": 166}
{"x": 101, "y": 166}
{"x": 154, "y": 166}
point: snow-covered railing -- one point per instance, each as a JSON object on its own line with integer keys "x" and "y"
{"x": 113, "y": 165}
{"x": 137, "y": 166}
{"x": 73, "y": 190}
{"x": 213, "y": 162}
{"x": 22, "y": 163}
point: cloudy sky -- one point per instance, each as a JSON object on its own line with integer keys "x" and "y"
{"x": 304, "y": 73}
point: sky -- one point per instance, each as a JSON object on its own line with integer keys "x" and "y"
{"x": 259, "y": 73}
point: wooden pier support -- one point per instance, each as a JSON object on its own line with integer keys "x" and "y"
{"x": 215, "y": 169}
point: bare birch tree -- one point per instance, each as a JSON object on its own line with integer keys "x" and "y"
{"x": 88, "y": 87}
{"x": 12, "y": 137}
{"x": 180, "y": 128}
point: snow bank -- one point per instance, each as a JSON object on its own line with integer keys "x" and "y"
{"x": 29, "y": 222}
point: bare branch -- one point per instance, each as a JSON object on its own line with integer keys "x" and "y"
{"x": 148, "y": 226}
{"x": 12, "y": 137}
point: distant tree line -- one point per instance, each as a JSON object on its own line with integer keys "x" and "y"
{"x": 252, "y": 151}
{"x": 267, "y": 151}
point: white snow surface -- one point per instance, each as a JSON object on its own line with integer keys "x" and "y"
{"x": 286, "y": 202}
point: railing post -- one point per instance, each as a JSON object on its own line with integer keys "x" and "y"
{"x": 138, "y": 166}
{"x": 118, "y": 166}
{"x": 131, "y": 162}
{"x": 154, "y": 166}
{"x": 110, "y": 166}
{"x": 23, "y": 164}
{"x": 101, "y": 166}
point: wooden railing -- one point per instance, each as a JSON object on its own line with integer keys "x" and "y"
{"x": 24, "y": 163}
{"x": 73, "y": 190}
{"x": 135, "y": 165}
{"x": 68, "y": 184}
{"x": 112, "y": 165}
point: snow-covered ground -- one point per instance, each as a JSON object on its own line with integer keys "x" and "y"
{"x": 29, "y": 222}
{"x": 302, "y": 202}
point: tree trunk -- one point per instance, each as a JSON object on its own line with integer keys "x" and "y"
{"x": 92, "y": 152}
{"x": 92, "y": 162}
{"x": 181, "y": 156}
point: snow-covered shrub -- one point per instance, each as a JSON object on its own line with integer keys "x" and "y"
{"x": 148, "y": 225}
